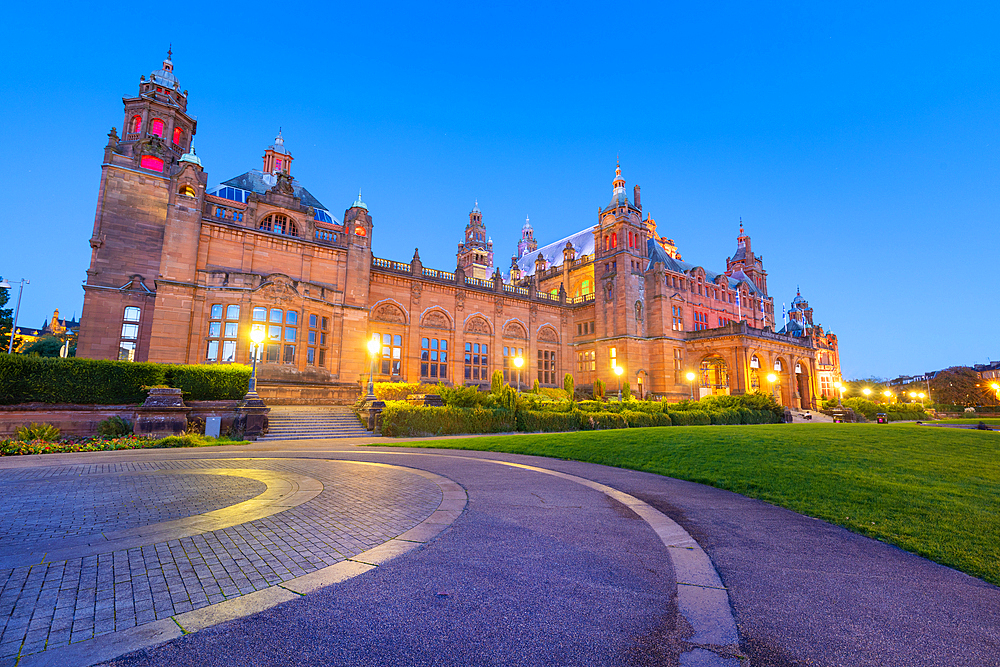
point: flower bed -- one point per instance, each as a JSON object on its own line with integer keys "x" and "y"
{"x": 21, "y": 447}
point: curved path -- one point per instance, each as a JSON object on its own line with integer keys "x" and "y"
{"x": 551, "y": 562}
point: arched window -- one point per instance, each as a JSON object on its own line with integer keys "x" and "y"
{"x": 188, "y": 191}
{"x": 178, "y": 133}
{"x": 777, "y": 365}
{"x": 136, "y": 124}
{"x": 279, "y": 224}
{"x": 754, "y": 362}
{"x": 614, "y": 240}
{"x": 156, "y": 128}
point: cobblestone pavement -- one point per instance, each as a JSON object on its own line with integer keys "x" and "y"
{"x": 47, "y": 604}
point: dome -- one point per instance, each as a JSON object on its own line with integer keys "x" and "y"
{"x": 359, "y": 203}
{"x": 191, "y": 157}
{"x": 475, "y": 208}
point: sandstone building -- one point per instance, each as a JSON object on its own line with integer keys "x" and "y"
{"x": 182, "y": 272}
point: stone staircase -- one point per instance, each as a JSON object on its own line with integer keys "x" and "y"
{"x": 310, "y": 422}
{"x": 798, "y": 417}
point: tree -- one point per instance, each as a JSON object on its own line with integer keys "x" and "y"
{"x": 536, "y": 388}
{"x": 626, "y": 392}
{"x": 959, "y": 385}
{"x": 46, "y": 346}
{"x": 6, "y": 319}
{"x": 496, "y": 383}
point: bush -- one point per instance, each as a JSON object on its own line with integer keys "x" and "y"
{"x": 690, "y": 418}
{"x": 496, "y": 382}
{"x": 99, "y": 382}
{"x": 568, "y": 385}
{"x": 398, "y": 391}
{"x": 598, "y": 389}
{"x": 535, "y": 388}
{"x": 114, "y": 427}
{"x": 626, "y": 391}
{"x": 506, "y": 398}
{"x": 533, "y": 421}
{"x": 34, "y": 431}
{"x": 464, "y": 397}
{"x": 410, "y": 420}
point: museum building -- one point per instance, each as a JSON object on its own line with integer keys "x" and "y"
{"x": 182, "y": 272}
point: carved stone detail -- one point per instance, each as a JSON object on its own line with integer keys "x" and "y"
{"x": 548, "y": 335}
{"x": 389, "y": 313}
{"x": 638, "y": 311}
{"x": 515, "y": 330}
{"x": 436, "y": 320}
{"x": 533, "y": 312}
{"x": 460, "y": 300}
{"x": 498, "y": 305}
{"x": 477, "y": 325}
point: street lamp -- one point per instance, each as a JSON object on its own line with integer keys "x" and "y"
{"x": 888, "y": 395}
{"x": 840, "y": 394}
{"x": 518, "y": 362}
{"x": 373, "y": 347}
{"x": 618, "y": 371}
{"x": 6, "y": 285}
{"x": 913, "y": 396}
{"x": 690, "y": 377}
{"x": 256, "y": 337}
{"x": 771, "y": 379}
{"x": 867, "y": 392}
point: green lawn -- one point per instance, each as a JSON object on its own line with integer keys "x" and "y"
{"x": 932, "y": 491}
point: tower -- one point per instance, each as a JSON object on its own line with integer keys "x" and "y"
{"x": 527, "y": 243}
{"x": 620, "y": 260}
{"x": 151, "y": 195}
{"x": 744, "y": 261}
{"x": 475, "y": 255}
{"x": 277, "y": 160}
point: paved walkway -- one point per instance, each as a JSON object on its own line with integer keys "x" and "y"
{"x": 551, "y": 562}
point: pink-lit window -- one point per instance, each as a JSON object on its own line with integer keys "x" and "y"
{"x": 157, "y": 127}
{"x": 136, "y": 124}
{"x": 614, "y": 241}
{"x": 279, "y": 164}
{"x": 151, "y": 162}
{"x": 177, "y": 135}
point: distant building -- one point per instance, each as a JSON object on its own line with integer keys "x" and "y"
{"x": 182, "y": 272}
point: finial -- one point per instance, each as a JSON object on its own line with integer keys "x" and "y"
{"x": 741, "y": 225}
{"x": 798, "y": 292}
{"x": 170, "y": 51}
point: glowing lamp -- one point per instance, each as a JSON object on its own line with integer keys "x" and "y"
{"x": 690, "y": 376}
{"x": 619, "y": 370}
{"x": 257, "y": 335}
{"x": 866, "y": 391}
{"x": 771, "y": 377}
{"x": 373, "y": 345}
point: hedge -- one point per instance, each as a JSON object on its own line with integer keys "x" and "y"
{"x": 96, "y": 382}
{"x": 402, "y": 420}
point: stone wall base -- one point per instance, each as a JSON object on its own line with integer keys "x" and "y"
{"x": 82, "y": 420}
{"x": 309, "y": 394}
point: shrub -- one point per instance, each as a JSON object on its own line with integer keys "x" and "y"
{"x": 535, "y": 388}
{"x": 626, "y": 391}
{"x": 568, "y": 385}
{"x": 533, "y": 421}
{"x": 598, "y": 389}
{"x": 409, "y": 420}
{"x": 33, "y": 431}
{"x": 690, "y": 418}
{"x": 506, "y": 397}
{"x": 496, "y": 382}
{"x": 100, "y": 382}
{"x": 555, "y": 394}
{"x": 464, "y": 397}
{"x": 398, "y": 391}
{"x": 114, "y": 427}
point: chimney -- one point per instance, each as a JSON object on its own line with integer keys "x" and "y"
{"x": 638, "y": 205}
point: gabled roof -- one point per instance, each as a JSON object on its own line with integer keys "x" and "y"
{"x": 257, "y": 181}
{"x": 658, "y": 254}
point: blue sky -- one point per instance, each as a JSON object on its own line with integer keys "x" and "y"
{"x": 858, "y": 142}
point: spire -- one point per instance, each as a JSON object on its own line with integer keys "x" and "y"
{"x": 741, "y": 225}
{"x": 475, "y": 208}
{"x": 170, "y": 51}
{"x": 359, "y": 203}
{"x": 527, "y": 223}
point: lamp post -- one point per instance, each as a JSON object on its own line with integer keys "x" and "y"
{"x": 618, "y": 371}
{"x": 257, "y": 337}
{"x": 518, "y": 362}
{"x": 840, "y": 394}
{"x": 6, "y": 285}
{"x": 373, "y": 347}
{"x": 771, "y": 379}
{"x": 913, "y": 396}
{"x": 888, "y": 395}
{"x": 867, "y": 392}
{"x": 690, "y": 377}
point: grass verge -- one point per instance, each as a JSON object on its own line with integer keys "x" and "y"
{"x": 934, "y": 492}
{"x": 989, "y": 421}
{"x": 21, "y": 447}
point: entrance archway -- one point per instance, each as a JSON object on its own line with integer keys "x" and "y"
{"x": 803, "y": 384}
{"x": 714, "y": 377}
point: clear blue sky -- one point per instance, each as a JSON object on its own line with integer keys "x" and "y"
{"x": 858, "y": 142}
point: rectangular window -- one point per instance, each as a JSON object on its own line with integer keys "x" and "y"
{"x": 229, "y": 351}
{"x": 130, "y": 331}
{"x": 260, "y": 314}
{"x": 312, "y": 321}
{"x": 434, "y": 358}
{"x": 232, "y": 312}
{"x": 213, "y": 351}
{"x": 272, "y": 353}
{"x": 322, "y": 357}
{"x": 126, "y": 351}
{"x": 546, "y": 367}
{"x": 130, "y": 334}
{"x": 678, "y": 361}
{"x": 231, "y": 329}
{"x": 289, "y": 357}
{"x": 276, "y": 315}
{"x": 274, "y": 331}
{"x": 392, "y": 353}
{"x": 311, "y": 356}
{"x": 291, "y": 317}
{"x": 476, "y": 362}
{"x": 290, "y": 334}
{"x": 509, "y": 368}
{"x": 613, "y": 356}
{"x": 216, "y": 311}
{"x": 325, "y": 323}
{"x": 311, "y": 351}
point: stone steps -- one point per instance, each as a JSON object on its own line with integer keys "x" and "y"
{"x": 313, "y": 423}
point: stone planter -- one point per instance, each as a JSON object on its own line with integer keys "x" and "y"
{"x": 163, "y": 413}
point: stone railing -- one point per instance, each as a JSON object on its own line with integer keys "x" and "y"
{"x": 380, "y": 263}
{"x": 744, "y": 329}
{"x": 439, "y": 275}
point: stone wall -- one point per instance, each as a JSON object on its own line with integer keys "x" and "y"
{"x": 82, "y": 420}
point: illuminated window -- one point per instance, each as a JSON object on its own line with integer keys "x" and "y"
{"x": 188, "y": 191}
{"x": 359, "y": 230}
{"x": 392, "y": 353}
{"x": 476, "y": 362}
{"x": 434, "y": 358}
{"x": 586, "y": 360}
{"x": 613, "y": 356}
{"x": 678, "y": 315}
{"x": 156, "y": 127}
{"x": 178, "y": 133}
{"x": 151, "y": 162}
{"x": 136, "y": 125}
{"x": 777, "y": 365}
{"x": 223, "y": 333}
{"x": 754, "y": 362}
{"x": 509, "y": 369}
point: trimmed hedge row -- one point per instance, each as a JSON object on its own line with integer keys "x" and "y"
{"x": 98, "y": 382}
{"x": 402, "y": 420}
